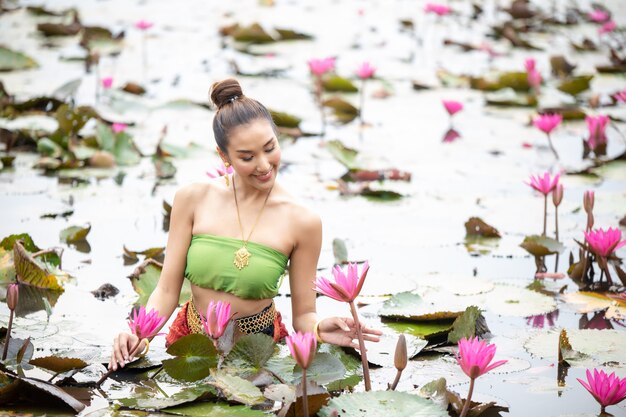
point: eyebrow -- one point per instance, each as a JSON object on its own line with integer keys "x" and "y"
{"x": 266, "y": 143}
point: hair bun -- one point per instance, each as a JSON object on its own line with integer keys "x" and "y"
{"x": 225, "y": 91}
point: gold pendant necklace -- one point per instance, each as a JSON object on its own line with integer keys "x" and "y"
{"x": 242, "y": 255}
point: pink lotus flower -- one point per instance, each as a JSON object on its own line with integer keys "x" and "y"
{"x": 620, "y": 96}
{"x": 597, "y": 127}
{"x": 302, "y": 347}
{"x": 118, "y": 127}
{"x": 450, "y": 136}
{"x": 143, "y": 24}
{"x": 217, "y": 318}
{"x": 547, "y": 122}
{"x": 475, "y": 356}
{"x": 606, "y": 389}
{"x": 452, "y": 106}
{"x": 608, "y": 27}
{"x": 346, "y": 287}
{"x": 598, "y": 16}
{"x": 603, "y": 243}
{"x": 107, "y": 82}
{"x": 544, "y": 184}
{"x": 438, "y": 9}
{"x": 529, "y": 64}
{"x": 145, "y": 324}
{"x": 320, "y": 67}
{"x": 365, "y": 71}
{"x": 220, "y": 171}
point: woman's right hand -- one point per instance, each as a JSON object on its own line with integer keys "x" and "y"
{"x": 124, "y": 349}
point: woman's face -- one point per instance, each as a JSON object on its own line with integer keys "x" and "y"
{"x": 254, "y": 153}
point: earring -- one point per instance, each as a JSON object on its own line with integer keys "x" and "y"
{"x": 226, "y": 180}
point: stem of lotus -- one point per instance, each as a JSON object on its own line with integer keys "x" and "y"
{"x": 556, "y": 221}
{"x": 556, "y": 155}
{"x": 359, "y": 332}
{"x": 468, "y": 401}
{"x": 110, "y": 371}
{"x": 8, "y": 338}
{"x": 305, "y": 397}
{"x": 320, "y": 104}
{"x": 545, "y": 213}
{"x": 395, "y": 381}
{"x": 605, "y": 268}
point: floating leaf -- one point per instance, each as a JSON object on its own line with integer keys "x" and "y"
{"x": 576, "y": 85}
{"x": 560, "y": 67}
{"x": 39, "y": 388}
{"x": 280, "y": 392}
{"x": 58, "y": 364}
{"x": 74, "y": 234}
{"x": 509, "y": 300}
{"x": 542, "y": 245}
{"x": 213, "y": 410}
{"x": 251, "y": 34}
{"x": 382, "y": 353}
{"x": 254, "y": 350}
{"x": 335, "y": 83}
{"x": 425, "y": 329}
{"x": 411, "y": 306}
{"x": 13, "y": 60}
{"x": 282, "y": 119}
{"x": 18, "y": 354}
{"x": 344, "y": 111}
{"x": 469, "y": 324}
{"x": 508, "y": 97}
{"x": 31, "y": 272}
{"x": 476, "y": 226}
{"x": 588, "y": 301}
{"x": 145, "y": 278}
{"x": 59, "y": 29}
{"x": 150, "y": 253}
{"x": 195, "y": 356}
{"x": 517, "y": 81}
{"x": 146, "y": 400}
{"x": 342, "y": 153}
{"x": 590, "y": 347}
{"x": 237, "y": 389}
{"x": 290, "y": 34}
{"x": 380, "y": 195}
{"x": 382, "y": 403}
{"x": 72, "y": 119}
{"x": 27, "y": 242}
{"x": 324, "y": 369}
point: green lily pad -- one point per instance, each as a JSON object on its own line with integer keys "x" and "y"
{"x": 74, "y": 234}
{"x": 476, "y": 226}
{"x": 201, "y": 409}
{"x": 145, "y": 400}
{"x": 343, "y": 111}
{"x": 412, "y": 307}
{"x": 145, "y": 278}
{"x": 342, "y": 153}
{"x": 33, "y": 272}
{"x": 252, "y": 351}
{"x": 282, "y": 119}
{"x": 48, "y": 147}
{"x": 509, "y": 300}
{"x": 335, "y": 83}
{"x": 292, "y": 35}
{"x": 424, "y": 329}
{"x": 195, "y": 356}
{"x": 58, "y": 364}
{"x": 542, "y": 245}
{"x": 324, "y": 369}
{"x": 382, "y": 403}
{"x": 382, "y": 353}
{"x": 467, "y": 325}
{"x": 508, "y": 97}
{"x": 352, "y": 366}
{"x": 380, "y": 195}
{"x": 576, "y": 85}
{"x": 237, "y": 389}
{"x": 27, "y": 242}
{"x": 12, "y": 60}
{"x": 49, "y": 390}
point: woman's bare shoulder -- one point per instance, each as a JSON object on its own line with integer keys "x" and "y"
{"x": 193, "y": 193}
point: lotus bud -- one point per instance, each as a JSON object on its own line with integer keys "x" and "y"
{"x": 12, "y": 296}
{"x": 557, "y": 195}
{"x": 401, "y": 357}
{"x": 588, "y": 201}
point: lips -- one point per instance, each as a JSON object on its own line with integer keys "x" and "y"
{"x": 265, "y": 176}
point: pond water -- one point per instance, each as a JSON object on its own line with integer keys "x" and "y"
{"x": 417, "y": 242}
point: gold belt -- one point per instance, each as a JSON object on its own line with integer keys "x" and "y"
{"x": 247, "y": 325}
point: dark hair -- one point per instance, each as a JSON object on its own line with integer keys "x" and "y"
{"x": 234, "y": 110}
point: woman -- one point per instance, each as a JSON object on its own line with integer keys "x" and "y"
{"x": 233, "y": 237}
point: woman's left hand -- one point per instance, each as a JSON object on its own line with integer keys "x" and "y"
{"x": 342, "y": 331}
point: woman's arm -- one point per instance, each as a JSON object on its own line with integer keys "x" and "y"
{"x": 165, "y": 296}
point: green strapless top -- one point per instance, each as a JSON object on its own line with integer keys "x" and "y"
{"x": 210, "y": 265}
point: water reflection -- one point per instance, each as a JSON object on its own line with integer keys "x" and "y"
{"x": 451, "y": 135}
{"x": 598, "y": 321}
{"x": 543, "y": 320}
